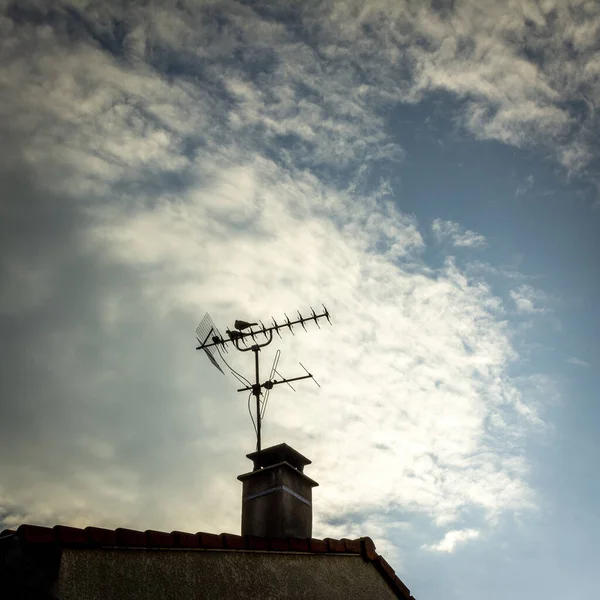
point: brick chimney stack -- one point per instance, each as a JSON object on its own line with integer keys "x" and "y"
{"x": 277, "y": 495}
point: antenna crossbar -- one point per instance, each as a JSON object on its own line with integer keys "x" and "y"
{"x": 236, "y": 336}
{"x": 267, "y": 385}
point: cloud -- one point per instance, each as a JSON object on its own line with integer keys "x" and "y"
{"x": 528, "y": 300}
{"x": 525, "y": 187}
{"x": 524, "y": 74}
{"x": 457, "y": 235}
{"x": 452, "y": 539}
{"x": 449, "y": 426}
{"x": 166, "y": 179}
{"x": 578, "y": 362}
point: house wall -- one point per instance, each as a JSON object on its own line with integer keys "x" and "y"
{"x": 131, "y": 574}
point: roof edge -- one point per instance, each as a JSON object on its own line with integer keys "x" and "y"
{"x": 96, "y": 537}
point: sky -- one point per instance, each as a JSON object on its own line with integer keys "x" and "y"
{"x": 428, "y": 171}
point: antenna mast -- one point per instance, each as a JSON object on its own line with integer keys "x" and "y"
{"x": 243, "y": 331}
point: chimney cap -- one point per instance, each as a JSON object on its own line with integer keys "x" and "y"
{"x": 276, "y": 454}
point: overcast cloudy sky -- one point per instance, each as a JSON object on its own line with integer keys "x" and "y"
{"x": 429, "y": 171}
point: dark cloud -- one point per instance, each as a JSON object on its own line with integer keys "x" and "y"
{"x": 84, "y": 391}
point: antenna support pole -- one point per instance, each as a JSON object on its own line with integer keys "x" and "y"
{"x": 256, "y": 391}
{"x": 211, "y": 337}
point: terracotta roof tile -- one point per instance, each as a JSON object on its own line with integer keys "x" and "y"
{"x": 233, "y": 542}
{"x": 7, "y": 532}
{"x": 280, "y": 544}
{"x": 368, "y": 548}
{"x": 186, "y": 540}
{"x": 99, "y": 536}
{"x": 317, "y": 545}
{"x": 400, "y": 584}
{"x": 390, "y": 576}
{"x": 130, "y": 537}
{"x": 62, "y": 535}
{"x": 159, "y": 539}
{"x": 210, "y": 540}
{"x": 335, "y": 545}
{"x": 299, "y": 544}
{"x": 70, "y": 536}
{"x": 384, "y": 567}
{"x": 254, "y": 542}
{"x": 352, "y": 546}
{"x": 35, "y": 534}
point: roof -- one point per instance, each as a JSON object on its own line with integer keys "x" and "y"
{"x": 62, "y": 536}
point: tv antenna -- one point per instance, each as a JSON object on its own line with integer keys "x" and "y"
{"x": 243, "y": 337}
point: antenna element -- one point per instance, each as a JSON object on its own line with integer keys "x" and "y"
{"x": 209, "y": 338}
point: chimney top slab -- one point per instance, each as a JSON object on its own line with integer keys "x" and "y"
{"x": 285, "y": 464}
{"x": 277, "y": 454}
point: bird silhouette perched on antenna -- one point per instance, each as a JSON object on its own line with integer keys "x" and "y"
{"x": 213, "y": 344}
{"x": 241, "y": 325}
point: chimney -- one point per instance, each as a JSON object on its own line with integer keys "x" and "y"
{"x": 277, "y": 495}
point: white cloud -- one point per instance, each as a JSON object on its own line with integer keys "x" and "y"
{"x": 525, "y": 187}
{"x": 515, "y": 67}
{"x": 578, "y": 362}
{"x": 529, "y": 300}
{"x": 432, "y": 338}
{"x": 457, "y": 235}
{"x": 452, "y": 539}
{"x": 511, "y": 66}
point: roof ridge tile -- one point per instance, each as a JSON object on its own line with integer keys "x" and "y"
{"x": 319, "y": 546}
{"x": 99, "y": 536}
{"x": 71, "y": 536}
{"x": 279, "y": 544}
{"x": 159, "y": 539}
{"x": 185, "y": 540}
{"x": 299, "y": 544}
{"x": 335, "y": 545}
{"x": 255, "y": 542}
{"x": 352, "y": 546}
{"x": 210, "y": 540}
{"x": 233, "y": 541}
{"x": 368, "y": 548}
{"x": 36, "y": 534}
{"x": 130, "y": 537}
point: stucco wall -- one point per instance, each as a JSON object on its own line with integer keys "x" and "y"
{"x": 184, "y": 575}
